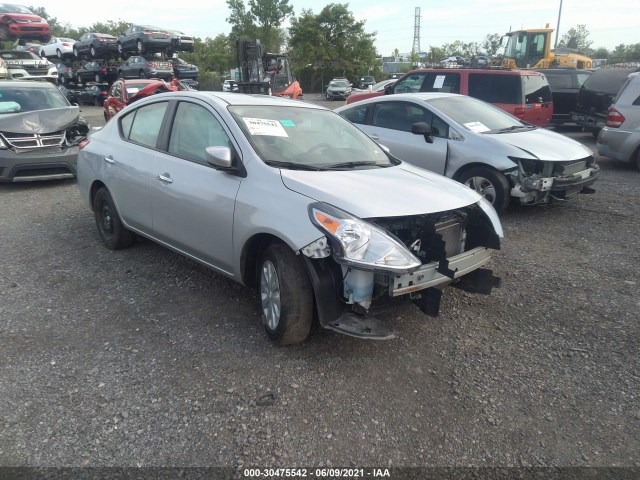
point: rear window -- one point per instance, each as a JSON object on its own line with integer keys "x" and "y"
{"x": 429, "y": 82}
{"x": 559, "y": 80}
{"x": 496, "y": 88}
{"x": 608, "y": 80}
{"x": 536, "y": 89}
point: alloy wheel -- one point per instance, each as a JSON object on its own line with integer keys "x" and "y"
{"x": 270, "y": 294}
{"x": 483, "y": 186}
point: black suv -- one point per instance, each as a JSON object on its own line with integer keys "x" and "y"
{"x": 141, "y": 39}
{"x": 596, "y": 96}
{"x": 565, "y": 84}
{"x": 98, "y": 71}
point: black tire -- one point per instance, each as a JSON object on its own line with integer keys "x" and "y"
{"x": 120, "y": 49}
{"x": 141, "y": 74}
{"x": 59, "y": 53}
{"x": 595, "y": 132}
{"x": 293, "y": 313}
{"x": 489, "y": 183}
{"x": 113, "y": 233}
{"x": 42, "y": 55}
{"x": 62, "y": 79}
{"x": 97, "y": 78}
{"x": 92, "y": 52}
{"x": 140, "y": 47}
{"x": 96, "y": 102}
{"x": 76, "y": 53}
{"x": 120, "y": 74}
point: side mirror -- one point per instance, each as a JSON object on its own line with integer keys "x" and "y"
{"x": 219, "y": 157}
{"x": 421, "y": 128}
{"x": 388, "y": 90}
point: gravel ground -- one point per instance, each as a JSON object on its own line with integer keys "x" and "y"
{"x": 143, "y": 357}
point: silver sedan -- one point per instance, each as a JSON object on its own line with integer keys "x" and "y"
{"x": 290, "y": 198}
{"x": 477, "y": 144}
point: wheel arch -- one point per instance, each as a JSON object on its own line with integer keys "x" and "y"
{"x": 252, "y": 250}
{"x": 95, "y": 186}
{"x": 468, "y": 166}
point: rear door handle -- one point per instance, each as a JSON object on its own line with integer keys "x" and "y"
{"x": 165, "y": 177}
{"x": 109, "y": 159}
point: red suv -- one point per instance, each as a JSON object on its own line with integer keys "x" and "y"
{"x": 522, "y": 93}
{"x": 18, "y": 22}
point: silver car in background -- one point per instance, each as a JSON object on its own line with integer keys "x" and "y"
{"x": 620, "y": 138}
{"x": 292, "y": 199}
{"x": 477, "y": 144}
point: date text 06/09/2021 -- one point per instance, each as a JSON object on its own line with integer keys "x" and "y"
{"x": 316, "y": 472}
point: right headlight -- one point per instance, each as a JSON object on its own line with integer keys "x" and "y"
{"x": 361, "y": 244}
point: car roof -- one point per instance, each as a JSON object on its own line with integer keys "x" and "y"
{"x": 497, "y": 71}
{"x": 230, "y": 98}
{"x": 26, "y": 84}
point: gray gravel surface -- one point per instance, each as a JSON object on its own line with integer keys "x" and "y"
{"x": 143, "y": 357}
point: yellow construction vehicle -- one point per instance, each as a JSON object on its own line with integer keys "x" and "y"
{"x": 532, "y": 49}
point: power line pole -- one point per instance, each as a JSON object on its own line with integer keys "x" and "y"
{"x": 558, "y": 27}
{"x": 416, "y": 35}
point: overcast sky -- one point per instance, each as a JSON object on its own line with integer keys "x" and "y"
{"x": 610, "y": 23}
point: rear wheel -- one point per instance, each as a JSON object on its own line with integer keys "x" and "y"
{"x": 76, "y": 53}
{"x": 97, "y": 78}
{"x": 140, "y": 47}
{"x": 141, "y": 74}
{"x": 113, "y": 233}
{"x": 62, "y": 79}
{"x": 92, "y": 52}
{"x": 286, "y": 296}
{"x": 491, "y": 184}
{"x": 59, "y": 53}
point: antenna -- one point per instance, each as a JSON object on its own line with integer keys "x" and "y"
{"x": 416, "y": 34}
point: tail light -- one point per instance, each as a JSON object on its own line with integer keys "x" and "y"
{"x": 519, "y": 112}
{"x": 104, "y": 93}
{"x": 152, "y": 64}
{"x": 66, "y": 44}
{"x": 103, "y": 70}
{"x": 83, "y": 143}
{"x": 102, "y": 39}
{"x": 69, "y": 70}
{"x": 614, "y": 118}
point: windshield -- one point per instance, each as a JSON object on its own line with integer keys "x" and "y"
{"x": 474, "y": 115}
{"x": 527, "y": 49}
{"x": 19, "y": 55}
{"x": 14, "y": 99}
{"x": 338, "y": 83}
{"x": 6, "y": 8}
{"x": 306, "y": 138}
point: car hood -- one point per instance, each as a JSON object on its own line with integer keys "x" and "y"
{"x": 381, "y": 192}
{"x": 543, "y": 144}
{"x": 40, "y": 121}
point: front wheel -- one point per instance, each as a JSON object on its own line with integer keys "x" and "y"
{"x": 286, "y": 295}
{"x": 113, "y": 233}
{"x": 491, "y": 184}
{"x": 141, "y": 74}
{"x": 140, "y": 47}
{"x": 92, "y": 52}
{"x": 76, "y": 53}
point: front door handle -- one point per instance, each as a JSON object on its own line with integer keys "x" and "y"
{"x": 375, "y": 137}
{"x": 109, "y": 159}
{"x": 165, "y": 177}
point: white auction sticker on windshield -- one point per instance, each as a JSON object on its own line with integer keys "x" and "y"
{"x": 439, "y": 81}
{"x": 263, "y": 126}
{"x": 477, "y": 127}
{"x": 133, "y": 90}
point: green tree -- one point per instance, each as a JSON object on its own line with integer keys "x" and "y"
{"x": 331, "y": 43}
{"x": 491, "y": 43}
{"x": 261, "y": 21}
{"x": 396, "y": 53}
{"x": 600, "y": 52}
{"x": 436, "y": 54}
{"x": 576, "y": 37}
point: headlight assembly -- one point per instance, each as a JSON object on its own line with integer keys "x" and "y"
{"x": 361, "y": 244}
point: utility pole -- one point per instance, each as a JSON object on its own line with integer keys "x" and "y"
{"x": 558, "y": 27}
{"x": 415, "y": 51}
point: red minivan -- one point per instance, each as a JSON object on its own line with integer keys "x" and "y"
{"x": 522, "y": 93}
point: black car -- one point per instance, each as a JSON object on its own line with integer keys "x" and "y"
{"x": 141, "y": 39}
{"x": 66, "y": 73}
{"x": 93, "y": 94}
{"x": 141, "y": 67}
{"x": 70, "y": 94}
{"x": 184, "y": 69}
{"x": 98, "y": 71}
{"x": 95, "y": 45}
{"x": 366, "y": 81}
{"x": 596, "y": 96}
{"x": 181, "y": 42}
{"x": 565, "y": 84}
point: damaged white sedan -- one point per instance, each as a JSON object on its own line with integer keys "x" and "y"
{"x": 475, "y": 143}
{"x": 291, "y": 199}
{"x": 39, "y": 132}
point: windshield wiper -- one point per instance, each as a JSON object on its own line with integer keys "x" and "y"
{"x": 292, "y": 165}
{"x": 354, "y": 164}
{"x": 512, "y": 128}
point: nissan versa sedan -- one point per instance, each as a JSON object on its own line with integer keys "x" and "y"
{"x": 289, "y": 198}
{"x": 477, "y": 144}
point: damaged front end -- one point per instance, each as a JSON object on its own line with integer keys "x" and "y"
{"x": 40, "y": 144}
{"x": 363, "y": 266}
{"x": 539, "y": 181}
